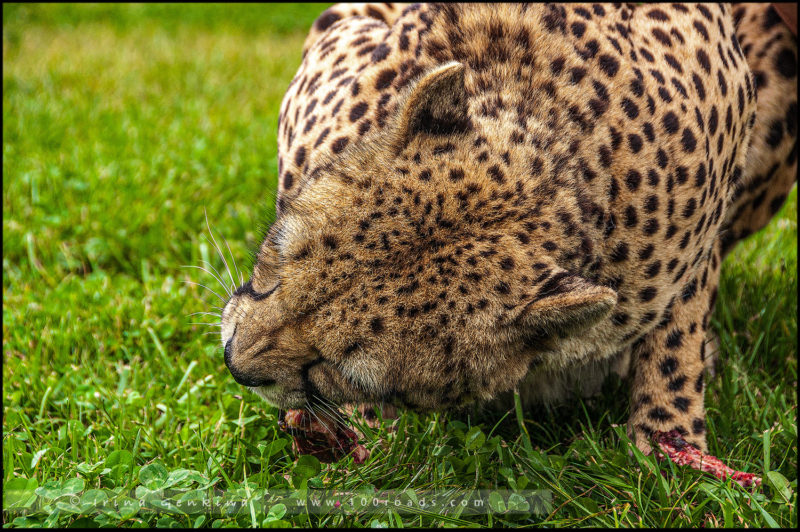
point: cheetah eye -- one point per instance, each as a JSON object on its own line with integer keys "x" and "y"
{"x": 249, "y": 290}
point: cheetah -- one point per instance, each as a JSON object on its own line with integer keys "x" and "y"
{"x": 480, "y": 198}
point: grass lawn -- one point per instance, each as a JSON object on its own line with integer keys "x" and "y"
{"x": 122, "y": 127}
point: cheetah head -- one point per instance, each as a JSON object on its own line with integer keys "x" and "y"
{"x": 398, "y": 274}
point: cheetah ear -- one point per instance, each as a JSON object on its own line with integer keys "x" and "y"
{"x": 437, "y": 105}
{"x": 565, "y": 305}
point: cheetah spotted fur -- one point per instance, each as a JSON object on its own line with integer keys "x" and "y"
{"x": 477, "y": 198}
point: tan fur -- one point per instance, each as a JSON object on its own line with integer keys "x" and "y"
{"x": 479, "y": 197}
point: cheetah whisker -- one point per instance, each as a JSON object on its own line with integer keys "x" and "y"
{"x": 216, "y": 314}
{"x": 219, "y": 275}
{"x": 207, "y": 288}
{"x": 211, "y": 274}
{"x": 228, "y": 289}
{"x": 330, "y": 411}
{"x": 233, "y": 260}
{"x": 310, "y": 408}
{"x": 224, "y": 260}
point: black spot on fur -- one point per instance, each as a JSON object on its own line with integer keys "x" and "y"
{"x": 326, "y": 20}
{"x": 647, "y": 294}
{"x": 659, "y": 414}
{"x": 681, "y": 403}
{"x": 380, "y": 53}
{"x": 376, "y": 325}
{"x": 676, "y": 384}
{"x": 670, "y": 122}
{"x": 620, "y": 252}
{"x": 668, "y": 366}
{"x": 608, "y": 64}
{"x": 675, "y": 339}
{"x": 698, "y": 384}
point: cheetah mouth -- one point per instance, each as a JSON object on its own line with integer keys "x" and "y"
{"x": 288, "y": 395}
{"x": 283, "y": 399}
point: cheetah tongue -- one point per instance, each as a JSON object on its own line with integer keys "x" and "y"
{"x": 322, "y": 437}
{"x": 684, "y": 453}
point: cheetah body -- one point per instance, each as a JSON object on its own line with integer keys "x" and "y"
{"x": 476, "y": 198}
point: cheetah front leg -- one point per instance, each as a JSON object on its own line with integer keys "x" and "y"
{"x": 669, "y": 366}
{"x": 667, "y": 389}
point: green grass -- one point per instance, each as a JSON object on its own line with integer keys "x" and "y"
{"x": 122, "y": 126}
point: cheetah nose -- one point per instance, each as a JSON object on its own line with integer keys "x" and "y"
{"x": 229, "y": 344}
{"x": 228, "y": 349}
{"x": 238, "y": 375}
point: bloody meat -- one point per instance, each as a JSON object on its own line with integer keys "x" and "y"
{"x": 320, "y": 436}
{"x": 683, "y": 453}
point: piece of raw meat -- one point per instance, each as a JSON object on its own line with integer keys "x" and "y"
{"x": 322, "y": 437}
{"x": 683, "y": 453}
